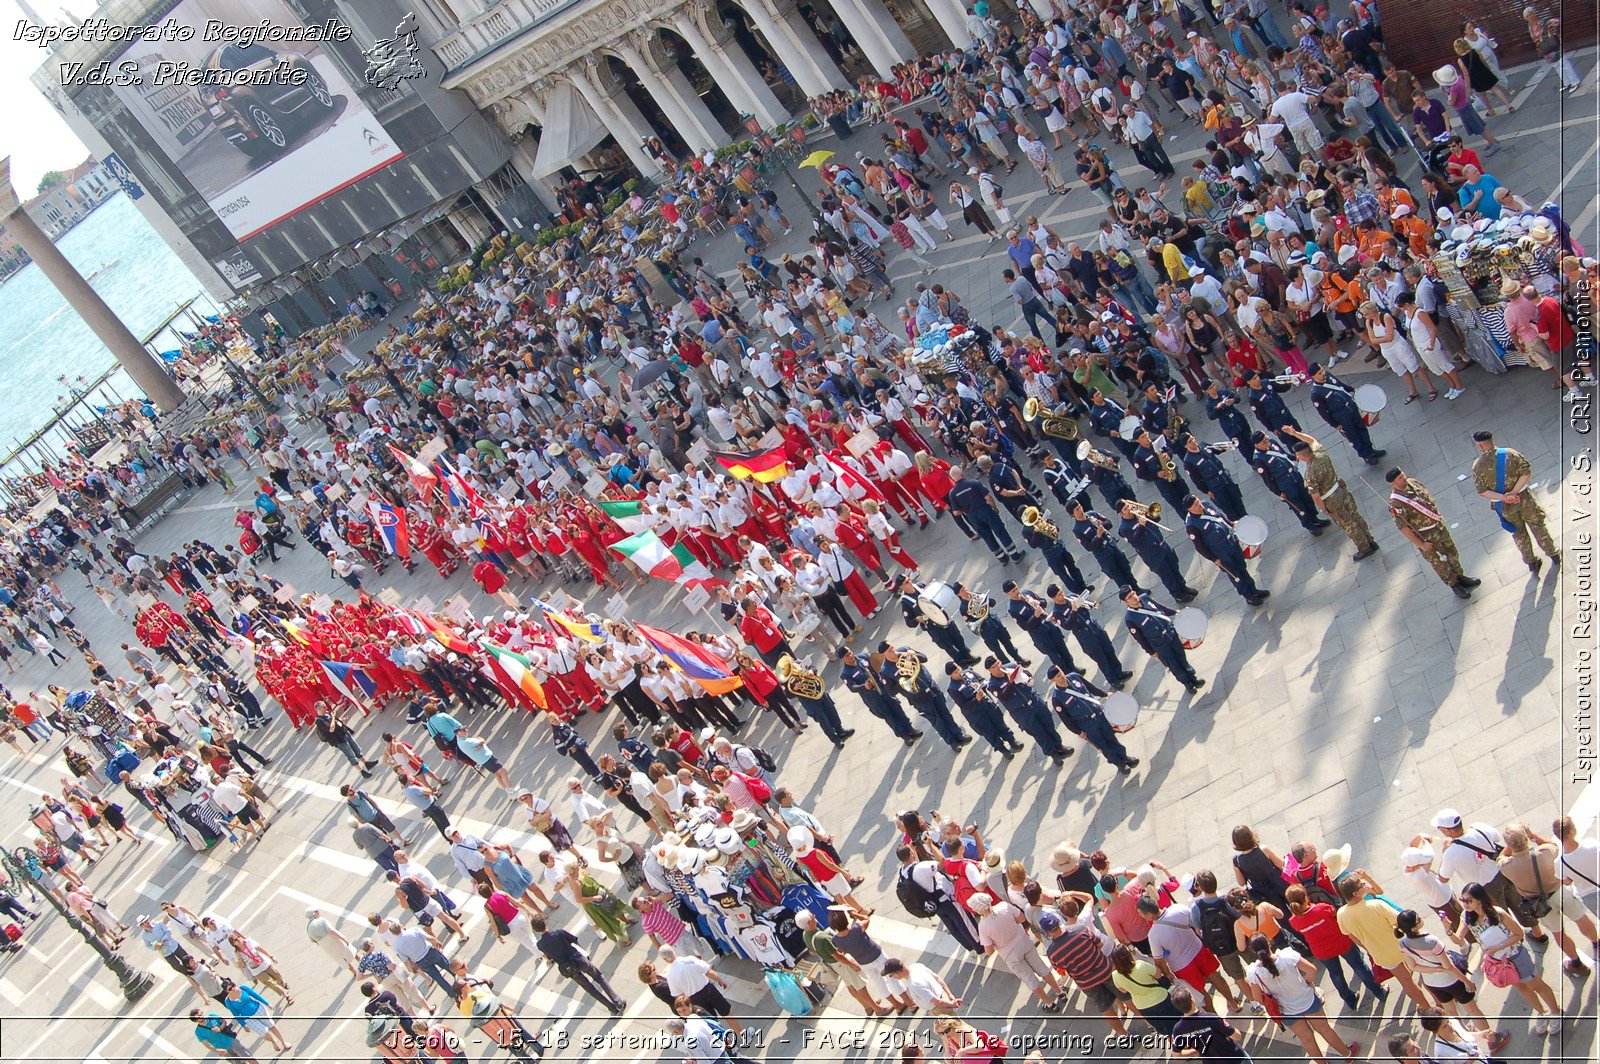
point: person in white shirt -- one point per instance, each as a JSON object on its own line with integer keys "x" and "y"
{"x": 1471, "y": 855}
{"x": 1293, "y": 109}
{"x": 922, "y": 984}
{"x": 1579, "y": 863}
{"x": 1416, "y": 860}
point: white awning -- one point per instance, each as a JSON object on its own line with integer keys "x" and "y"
{"x": 570, "y": 130}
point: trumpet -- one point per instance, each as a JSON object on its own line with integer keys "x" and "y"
{"x": 1055, "y": 426}
{"x": 1088, "y": 453}
{"x": 1287, "y": 378}
{"x": 1034, "y": 518}
{"x": 1220, "y": 448}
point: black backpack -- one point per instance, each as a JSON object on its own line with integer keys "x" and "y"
{"x": 918, "y": 901}
{"x": 1216, "y": 927}
{"x": 767, "y": 762}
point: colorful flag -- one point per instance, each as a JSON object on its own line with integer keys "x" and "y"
{"x": 849, "y": 478}
{"x": 519, "y": 670}
{"x": 764, "y": 466}
{"x": 446, "y": 636}
{"x": 648, "y": 552}
{"x": 349, "y": 678}
{"x": 456, "y": 488}
{"x": 587, "y": 631}
{"x": 423, "y": 479}
{"x": 392, "y": 528}
{"x": 693, "y": 660}
{"x": 629, "y": 516}
{"x": 292, "y": 627}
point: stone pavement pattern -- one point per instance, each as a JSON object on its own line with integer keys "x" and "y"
{"x": 1347, "y": 709}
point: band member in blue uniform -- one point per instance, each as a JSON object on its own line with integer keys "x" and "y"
{"x": 1150, "y": 624}
{"x": 1215, "y": 540}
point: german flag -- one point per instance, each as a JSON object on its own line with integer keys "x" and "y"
{"x": 763, "y": 466}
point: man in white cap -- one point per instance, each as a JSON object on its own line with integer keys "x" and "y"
{"x": 1472, "y": 854}
{"x": 1003, "y": 931}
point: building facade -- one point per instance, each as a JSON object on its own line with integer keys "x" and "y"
{"x": 585, "y": 85}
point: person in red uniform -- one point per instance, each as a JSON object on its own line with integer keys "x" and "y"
{"x": 489, "y": 577}
{"x": 761, "y": 630}
{"x": 762, "y": 685}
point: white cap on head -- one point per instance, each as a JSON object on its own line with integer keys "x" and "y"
{"x": 1447, "y": 819}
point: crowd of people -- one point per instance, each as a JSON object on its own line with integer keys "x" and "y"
{"x": 773, "y": 430}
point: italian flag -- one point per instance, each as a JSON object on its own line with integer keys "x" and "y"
{"x": 518, "y": 670}
{"x": 629, "y": 516}
{"x": 648, "y": 552}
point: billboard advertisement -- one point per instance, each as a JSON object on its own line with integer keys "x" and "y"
{"x": 247, "y": 103}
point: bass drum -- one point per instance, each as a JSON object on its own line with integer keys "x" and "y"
{"x": 940, "y": 602}
{"x": 1191, "y": 625}
{"x": 1121, "y": 710}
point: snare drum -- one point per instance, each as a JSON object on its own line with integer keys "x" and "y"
{"x": 1191, "y": 625}
{"x": 1370, "y": 400}
{"x": 1252, "y": 533}
{"x": 1121, "y": 711}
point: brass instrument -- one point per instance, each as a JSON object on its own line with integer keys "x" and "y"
{"x": 798, "y": 680}
{"x": 1055, "y": 426}
{"x": 1088, "y": 453}
{"x": 1220, "y": 448}
{"x": 1287, "y": 378}
{"x": 909, "y": 671}
{"x": 1034, "y": 518}
{"x": 978, "y": 607}
{"x": 1168, "y": 471}
{"x": 1149, "y": 511}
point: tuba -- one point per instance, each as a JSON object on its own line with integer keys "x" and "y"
{"x": 909, "y": 671}
{"x": 1055, "y": 426}
{"x": 798, "y": 680}
{"x": 1034, "y": 518}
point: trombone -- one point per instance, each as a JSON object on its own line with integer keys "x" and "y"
{"x": 1151, "y": 512}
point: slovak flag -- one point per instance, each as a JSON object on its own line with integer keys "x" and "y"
{"x": 392, "y": 528}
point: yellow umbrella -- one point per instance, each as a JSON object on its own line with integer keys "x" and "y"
{"x": 816, "y": 159}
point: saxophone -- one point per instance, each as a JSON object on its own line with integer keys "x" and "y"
{"x": 798, "y": 680}
{"x": 1169, "y": 471}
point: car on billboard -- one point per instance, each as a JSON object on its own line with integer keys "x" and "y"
{"x": 258, "y": 116}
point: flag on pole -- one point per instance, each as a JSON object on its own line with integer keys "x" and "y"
{"x": 630, "y": 516}
{"x": 519, "y": 670}
{"x": 349, "y": 678}
{"x": 763, "y": 466}
{"x": 292, "y": 627}
{"x": 444, "y": 635}
{"x": 693, "y": 660}
{"x": 456, "y": 488}
{"x": 392, "y": 528}
{"x": 587, "y": 631}
{"x": 849, "y": 478}
{"x": 648, "y": 552}
{"x": 423, "y": 479}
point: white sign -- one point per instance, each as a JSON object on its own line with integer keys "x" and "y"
{"x": 388, "y": 596}
{"x": 434, "y": 448}
{"x": 284, "y": 593}
{"x": 559, "y": 480}
{"x": 249, "y": 604}
{"x": 458, "y": 609}
{"x": 323, "y": 604}
{"x": 861, "y": 442}
{"x": 697, "y": 599}
{"x": 699, "y": 452}
{"x": 616, "y": 608}
{"x": 335, "y": 491}
{"x": 772, "y": 439}
{"x": 595, "y": 486}
{"x": 423, "y": 605}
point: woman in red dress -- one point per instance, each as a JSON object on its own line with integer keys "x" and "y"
{"x": 762, "y": 685}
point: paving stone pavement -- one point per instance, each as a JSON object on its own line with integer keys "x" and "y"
{"x": 1357, "y": 701}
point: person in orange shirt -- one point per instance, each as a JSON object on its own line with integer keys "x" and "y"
{"x": 1373, "y": 243}
{"x": 1416, "y": 232}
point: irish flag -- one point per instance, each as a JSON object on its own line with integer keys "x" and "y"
{"x": 648, "y": 552}
{"x": 629, "y": 516}
{"x": 518, "y": 670}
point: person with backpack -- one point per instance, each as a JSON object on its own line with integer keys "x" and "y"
{"x": 1317, "y": 924}
{"x": 746, "y": 760}
{"x": 1179, "y": 952}
{"x": 1214, "y": 919}
{"x": 926, "y": 891}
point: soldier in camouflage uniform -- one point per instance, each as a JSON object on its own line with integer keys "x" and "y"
{"x": 1333, "y": 496}
{"x": 1417, "y": 515}
{"x": 1519, "y": 512}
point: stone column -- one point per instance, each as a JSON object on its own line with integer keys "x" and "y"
{"x": 875, "y": 30}
{"x": 728, "y": 64}
{"x": 796, "y": 47}
{"x": 128, "y": 351}
{"x": 613, "y": 107}
{"x": 688, "y": 115}
{"x": 952, "y": 18}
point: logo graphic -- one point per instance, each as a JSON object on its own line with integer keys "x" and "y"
{"x": 119, "y": 172}
{"x": 391, "y": 61}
